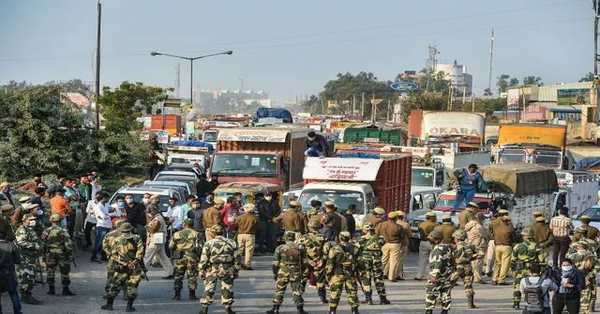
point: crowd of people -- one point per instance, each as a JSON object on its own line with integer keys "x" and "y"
{"x": 212, "y": 239}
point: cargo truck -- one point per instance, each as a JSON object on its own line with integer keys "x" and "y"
{"x": 260, "y": 155}
{"x": 185, "y": 153}
{"x": 366, "y": 180}
{"x": 540, "y": 144}
{"x": 374, "y": 134}
{"x": 578, "y": 190}
{"x": 436, "y": 128}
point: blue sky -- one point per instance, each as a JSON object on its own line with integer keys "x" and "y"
{"x": 291, "y": 48}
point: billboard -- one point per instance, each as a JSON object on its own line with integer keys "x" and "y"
{"x": 573, "y": 96}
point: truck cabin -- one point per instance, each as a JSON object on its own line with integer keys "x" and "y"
{"x": 247, "y": 164}
{"x": 543, "y": 155}
{"x": 424, "y": 176}
{"x": 248, "y": 190}
{"x": 342, "y": 194}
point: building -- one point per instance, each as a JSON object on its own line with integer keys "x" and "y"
{"x": 461, "y": 81}
{"x": 232, "y": 101}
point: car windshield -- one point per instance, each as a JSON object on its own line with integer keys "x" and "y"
{"x": 593, "y": 212}
{"x": 209, "y": 136}
{"x": 243, "y": 165}
{"x": 137, "y": 197}
{"x": 422, "y": 177}
{"x": 342, "y": 199}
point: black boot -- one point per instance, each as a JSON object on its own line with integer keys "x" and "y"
{"x": 471, "y": 302}
{"x": 274, "y": 310}
{"x": 29, "y": 299}
{"x": 51, "y": 289}
{"x": 177, "y": 295}
{"x": 383, "y": 300}
{"x": 203, "y": 309}
{"x": 193, "y": 294}
{"x": 333, "y": 310}
{"x": 130, "y": 307}
{"x": 67, "y": 291}
{"x": 300, "y": 309}
{"x": 322, "y": 296}
{"x": 368, "y": 298}
{"x": 109, "y": 304}
{"x": 516, "y": 305}
{"x": 355, "y": 310}
{"x": 428, "y": 311}
{"x": 228, "y": 310}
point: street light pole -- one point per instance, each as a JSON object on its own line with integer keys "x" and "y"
{"x": 192, "y": 82}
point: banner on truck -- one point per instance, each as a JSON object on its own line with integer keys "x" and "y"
{"x": 341, "y": 169}
{"x": 253, "y": 135}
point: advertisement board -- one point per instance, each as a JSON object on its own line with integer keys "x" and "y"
{"x": 573, "y": 96}
{"x": 341, "y": 169}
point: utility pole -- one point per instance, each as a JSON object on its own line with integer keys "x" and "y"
{"x": 178, "y": 79}
{"x": 431, "y": 63}
{"x": 99, "y": 5}
{"x": 492, "y": 38}
{"x": 362, "y": 106}
{"x": 596, "y": 17}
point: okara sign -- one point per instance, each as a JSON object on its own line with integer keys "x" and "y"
{"x": 341, "y": 169}
{"x": 442, "y": 131}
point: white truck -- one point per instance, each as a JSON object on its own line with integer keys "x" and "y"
{"x": 578, "y": 190}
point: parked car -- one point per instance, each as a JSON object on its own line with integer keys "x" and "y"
{"x": 138, "y": 194}
{"x": 181, "y": 176}
{"x": 594, "y": 214}
{"x": 182, "y": 187}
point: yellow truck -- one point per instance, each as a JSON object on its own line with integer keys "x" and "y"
{"x": 541, "y": 144}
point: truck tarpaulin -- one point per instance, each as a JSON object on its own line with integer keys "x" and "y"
{"x": 520, "y": 179}
{"x": 277, "y": 113}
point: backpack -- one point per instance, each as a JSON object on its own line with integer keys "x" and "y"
{"x": 534, "y": 296}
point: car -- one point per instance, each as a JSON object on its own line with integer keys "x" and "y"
{"x": 138, "y": 194}
{"x": 181, "y": 176}
{"x": 446, "y": 200}
{"x": 594, "y": 214}
{"x": 187, "y": 167}
{"x": 181, "y": 187}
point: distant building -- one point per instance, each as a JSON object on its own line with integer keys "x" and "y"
{"x": 232, "y": 101}
{"x": 462, "y": 82}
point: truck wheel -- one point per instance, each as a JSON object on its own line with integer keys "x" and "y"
{"x": 413, "y": 245}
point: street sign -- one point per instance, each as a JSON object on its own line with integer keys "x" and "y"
{"x": 404, "y": 86}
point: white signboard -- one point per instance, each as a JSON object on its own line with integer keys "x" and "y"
{"x": 341, "y": 169}
{"x": 162, "y": 137}
{"x": 453, "y": 124}
{"x": 253, "y": 135}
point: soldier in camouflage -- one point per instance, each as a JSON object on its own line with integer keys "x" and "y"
{"x": 586, "y": 261}
{"x": 464, "y": 254}
{"x": 220, "y": 260}
{"x": 314, "y": 242}
{"x": 370, "y": 267}
{"x": 30, "y": 248}
{"x": 523, "y": 255}
{"x": 441, "y": 262}
{"x": 108, "y": 247}
{"x": 6, "y": 228}
{"x": 127, "y": 256}
{"x": 59, "y": 253}
{"x": 290, "y": 266}
{"x": 340, "y": 269}
{"x": 186, "y": 248}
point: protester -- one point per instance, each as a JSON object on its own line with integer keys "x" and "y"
{"x": 267, "y": 208}
{"x": 561, "y": 226}
{"x": 136, "y": 216}
{"x": 75, "y": 215}
{"x": 468, "y": 182}
{"x": 316, "y": 145}
{"x": 229, "y": 213}
{"x": 104, "y": 215}
{"x": 174, "y": 214}
{"x": 569, "y": 291}
{"x": 535, "y": 286}
{"x": 350, "y": 222}
{"x": 60, "y": 205}
{"x": 90, "y": 218}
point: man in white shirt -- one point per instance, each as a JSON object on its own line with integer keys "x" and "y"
{"x": 174, "y": 214}
{"x": 90, "y": 218}
{"x": 530, "y": 283}
{"x": 104, "y": 214}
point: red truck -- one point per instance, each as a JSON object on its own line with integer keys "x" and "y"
{"x": 363, "y": 179}
{"x": 260, "y": 155}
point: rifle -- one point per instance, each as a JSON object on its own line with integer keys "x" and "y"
{"x": 144, "y": 270}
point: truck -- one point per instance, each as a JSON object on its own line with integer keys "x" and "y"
{"x": 540, "y": 144}
{"x": 522, "y": 189}
{"x": 260, "y": 155}
{"x": 186, "y": 153}
{"x": 583, "y": 157}
{"x": 365, "y": 180}
{"x": 168, "y": 122}
{"x": 578, "y": 190}
{"x": 466, "y": 130}
{"x": 374, "y": 134}
{"x": 266, "y": 115}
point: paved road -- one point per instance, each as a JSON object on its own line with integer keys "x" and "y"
{"x": 253, "y": 293}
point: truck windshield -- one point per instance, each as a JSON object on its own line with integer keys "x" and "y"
{"x": 548, "y": 158}
{"x": 210, "y": 136}
{"x": 245, "y": 165}
{"x": 341, "y": 198}
{"x": 512, "y": 155}
{"x": 422, "y": 177}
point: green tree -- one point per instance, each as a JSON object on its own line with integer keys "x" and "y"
{"x": 312, "y": 104}
{"x": 587, "y": 78}
{"x": 513, "y": 82}
{"x": 502, "y": 83}
{"x": 121, "y": 106}
{"x": 532, "y": 80}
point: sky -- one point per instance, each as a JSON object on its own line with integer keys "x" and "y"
{"x": 291, "y": 48}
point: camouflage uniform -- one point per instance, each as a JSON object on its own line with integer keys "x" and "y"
{"x": 127, "y": 255}
{"x": 441, "y": 262}
{"x": 220, "y": 260}
{"x": 30, "y": 247}
{"x": 523, "y": 255}
{"x": 370, "y": 267}
{"x": 185, "y": 245}
{"x": 586, "y": 261}
{"x": 340, "y": 269}
{"x": 314, "y": 244}
{"x": 59, "y": 252}
{"x": 108, "y": 247}
{"x": 464, "y": 254}
{"x": 290, "y": 266}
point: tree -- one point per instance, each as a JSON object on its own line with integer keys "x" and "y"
{"x": 487, "y": 92}
{"x": 588, "y": 77}
{"x": 312, "y": 104}
{"x": 513, "y": 82}
{"x": 532, "y": 80}
{"x": 121, "y": 106}
{"x": 502, "y": 83}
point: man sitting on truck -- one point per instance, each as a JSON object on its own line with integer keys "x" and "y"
{"x": 468, "y": 182}
{"x": 316, "y": 145}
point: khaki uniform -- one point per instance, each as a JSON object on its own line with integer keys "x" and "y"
{"x": 464, "y": 217}
{"x": 247, "y": 225}
{"x": 477, "y": 236}
{"x": 373, "y": 220}
{"x": 424, "y": 247}
{"x": 503, "y": 234}
{"x": 290, "y": 220}
{"x": 210, "y": 217}
{"x": 392, "y": 233}
{"x": 542, "y": 236}
{"x": 447, "y": 229}
{"x": 404, "y": 250}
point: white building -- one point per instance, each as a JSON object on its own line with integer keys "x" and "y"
{"x": 462, "y": 82}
